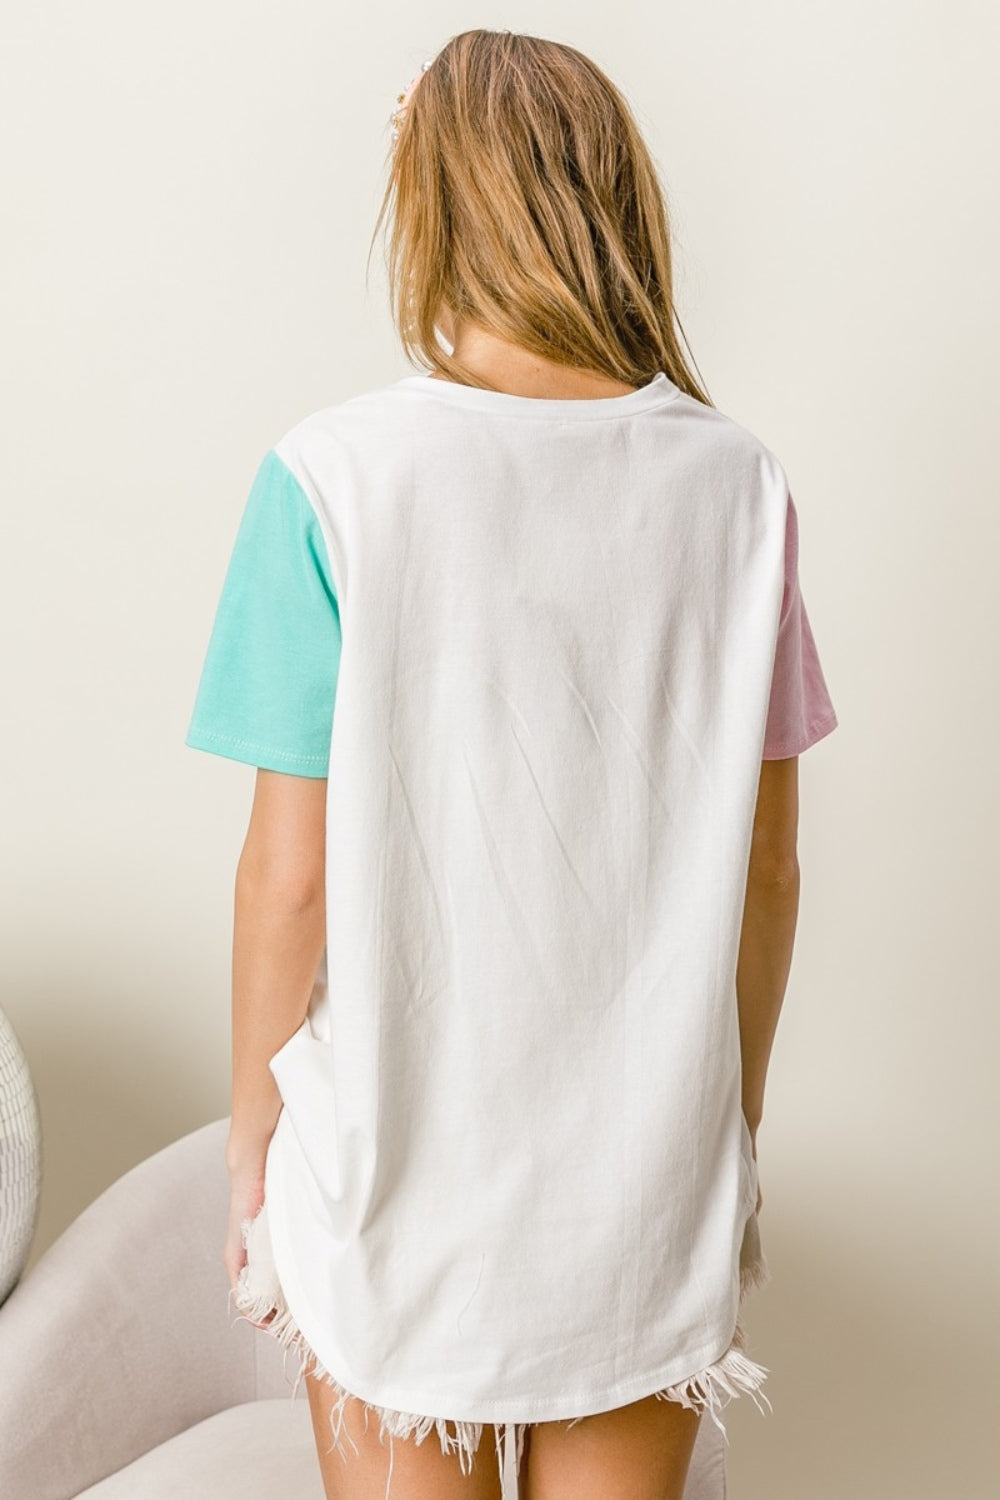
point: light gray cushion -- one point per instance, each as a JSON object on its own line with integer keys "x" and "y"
{"x": 121, "y": 1335}
{"x": 251, "y": 1452}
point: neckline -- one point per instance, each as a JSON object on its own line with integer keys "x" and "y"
{"x": 656, "y": 392}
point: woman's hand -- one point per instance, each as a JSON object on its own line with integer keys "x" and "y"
{"x": 246, "y": 1198}
{"x": 753, "y": 1146}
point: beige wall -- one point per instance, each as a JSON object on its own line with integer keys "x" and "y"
{"x": 189, "y": 196}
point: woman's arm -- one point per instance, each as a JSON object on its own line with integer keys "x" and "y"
{"x": 279, "y": 933}
{"x": 770, "y": 915}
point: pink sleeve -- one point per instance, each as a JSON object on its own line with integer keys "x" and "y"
{"x": 800, "y": 711}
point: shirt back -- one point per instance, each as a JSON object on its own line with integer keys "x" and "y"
{"x": 512, "y": 1174}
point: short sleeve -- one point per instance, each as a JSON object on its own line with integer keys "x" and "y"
{"x": 269, "y": 678}
{"x": 799, "y": 711}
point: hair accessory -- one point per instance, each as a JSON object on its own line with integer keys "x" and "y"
{"x": 396, "y": 117}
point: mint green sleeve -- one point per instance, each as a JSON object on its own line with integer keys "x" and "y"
{"x": 269, "y": 678}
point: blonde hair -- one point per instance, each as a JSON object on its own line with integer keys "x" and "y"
{"x": 523, "y": 197}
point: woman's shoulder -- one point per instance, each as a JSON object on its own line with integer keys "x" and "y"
{"x": 348, "y": 420}
{"x": 352, "y": 407}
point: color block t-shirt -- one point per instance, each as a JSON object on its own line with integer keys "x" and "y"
{"x": 538, "y": 648}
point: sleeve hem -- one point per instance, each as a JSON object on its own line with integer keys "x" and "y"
{"x": 816, "y": 732}
{"x": 266, "y": 757}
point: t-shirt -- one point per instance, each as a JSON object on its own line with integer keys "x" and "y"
{"x": 538, "y": 647}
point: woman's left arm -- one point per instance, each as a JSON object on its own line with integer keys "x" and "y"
{"x": 279, "y": 933}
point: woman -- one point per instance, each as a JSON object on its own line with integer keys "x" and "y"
{"x": 517, "y": 647}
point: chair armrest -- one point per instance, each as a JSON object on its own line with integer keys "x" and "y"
{"x": 121, "y": 1335}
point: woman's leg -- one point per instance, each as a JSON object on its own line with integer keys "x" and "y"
{"x": 420, "y": 1471}
{"x": 636, "y": 1452}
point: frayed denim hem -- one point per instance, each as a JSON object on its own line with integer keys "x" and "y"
{"x": 259, "y": 1298}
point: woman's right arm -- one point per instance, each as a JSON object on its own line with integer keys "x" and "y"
{"x": 769, "y": 919}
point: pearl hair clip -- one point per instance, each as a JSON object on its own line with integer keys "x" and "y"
{"x": 396, "y": 117}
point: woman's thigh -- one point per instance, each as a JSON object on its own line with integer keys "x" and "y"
{"x": 637, "y": 1452}
{"x": 420, "y": 1471}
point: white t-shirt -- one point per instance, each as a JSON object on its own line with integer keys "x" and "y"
{"x": 512, "y": 1178}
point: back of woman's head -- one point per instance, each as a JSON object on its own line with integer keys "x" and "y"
{"x": 523, "y": 199}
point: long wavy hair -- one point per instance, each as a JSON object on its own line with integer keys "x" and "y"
{"x": 522, "y": 197}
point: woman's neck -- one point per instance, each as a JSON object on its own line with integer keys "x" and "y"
{"x": 508, "y": 367}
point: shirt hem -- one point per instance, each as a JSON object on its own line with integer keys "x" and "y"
{"x": 459, "y": 1409}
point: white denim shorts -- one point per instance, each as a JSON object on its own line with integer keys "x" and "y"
{"x": 258, "y": 1295}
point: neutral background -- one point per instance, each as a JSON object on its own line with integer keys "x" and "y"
{"x": 189, "y": 197}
